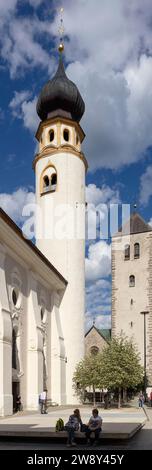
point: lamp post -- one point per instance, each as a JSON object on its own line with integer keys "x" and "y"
{"x": 145, "y": 349}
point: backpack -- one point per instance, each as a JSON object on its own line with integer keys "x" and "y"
{"x": 59, "y": 425}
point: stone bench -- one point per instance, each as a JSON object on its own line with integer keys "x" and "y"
{"x": 113, "y": 431}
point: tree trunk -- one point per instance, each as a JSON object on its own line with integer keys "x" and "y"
{"x": 124, "y": 395}
{"x": 119, "y": 398}
{"x": 94, "y": 396}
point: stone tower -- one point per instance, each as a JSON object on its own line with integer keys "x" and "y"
{"x": 60, "y": 168}
{"x": 132, "y": 286}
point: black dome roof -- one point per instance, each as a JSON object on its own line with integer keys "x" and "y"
{"x": 60, "y": 96}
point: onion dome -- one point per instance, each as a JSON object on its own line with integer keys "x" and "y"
{"x": 60, "y": 97}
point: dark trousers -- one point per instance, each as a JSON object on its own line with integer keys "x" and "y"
{"x": 43, "y": 406}
{"x": 96, "y": 433}
{"x": 71, "y": 434}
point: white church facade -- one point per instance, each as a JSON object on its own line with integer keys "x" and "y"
{"x": 42, "y": 286}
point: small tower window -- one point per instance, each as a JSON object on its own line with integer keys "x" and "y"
{"x": 66, "y": 135}
{"x": 51, "y": 135}
{"x": 127, "y": 252}
{"x": 136, "y": 250}
{"x": 131, "y": 281}
{"x": 131, "y": 301}
{"x": 77, "y": 139}
{"x": 54, "y": 180}
{"x": 46, "y": 181}
{"x": 49, "y": 180}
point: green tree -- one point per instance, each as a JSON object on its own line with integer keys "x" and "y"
{"x": 120, "y": 365}
{"x": 87, "y": 375}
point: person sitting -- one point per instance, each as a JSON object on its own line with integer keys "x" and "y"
{"x": 74, "y": 423}
{"x": 94, "y": 426}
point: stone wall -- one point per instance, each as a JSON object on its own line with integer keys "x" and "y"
{"x": 94, "y": 339}
{"x": 128, "y": 302}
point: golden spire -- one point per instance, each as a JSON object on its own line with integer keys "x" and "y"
{"x": 61, "y": 31}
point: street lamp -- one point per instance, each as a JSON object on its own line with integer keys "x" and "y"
{"x": 145, "y": 377}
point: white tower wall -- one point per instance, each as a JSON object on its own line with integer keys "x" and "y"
{"x": 61, "y": 238}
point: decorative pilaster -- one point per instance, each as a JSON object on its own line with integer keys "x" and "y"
{"x": 6, "y": 402}
{"x": 34, "y": 347}
{"x": 58, "y": 355}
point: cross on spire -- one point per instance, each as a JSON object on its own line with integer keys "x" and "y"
{"x": 61, "y": 31}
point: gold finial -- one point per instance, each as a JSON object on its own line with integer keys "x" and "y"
{"x": 61, "y": 31}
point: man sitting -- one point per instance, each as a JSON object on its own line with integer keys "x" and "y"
{"x": 94, "y": 426}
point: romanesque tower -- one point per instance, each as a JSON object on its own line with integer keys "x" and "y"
{"x": 132, "y": 286}
{"x": 60, "y": 168}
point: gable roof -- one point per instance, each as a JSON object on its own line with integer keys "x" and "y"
{"x": 136, "y": 224}
{"x": 104, "y": 333}
{"x": 31, "y": 246}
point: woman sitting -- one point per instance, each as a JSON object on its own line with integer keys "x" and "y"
{"x": 94, "y": 426}
{"x": 72, "y": 426}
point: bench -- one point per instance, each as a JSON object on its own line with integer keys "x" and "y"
{"x": 78, "y": 435}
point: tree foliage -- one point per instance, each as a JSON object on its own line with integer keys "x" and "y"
{"x": 116, "y": 367}
{"x": 86, "y": 374}
{"x": 120, "y": 364}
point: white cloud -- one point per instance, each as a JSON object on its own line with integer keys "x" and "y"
{"x": 110, "y": 48}
{"x": 98, "y": 262}
{"x": 14, "y": 203}
{"x": 21, "y": 46}
{"x": 98, "y": 303}
{"x": 98, "y": 202}
{"x": 6, "y": 7}
{"x": 146, "y": 186}
{"x": 17, "y": 100}
{"x": 103, "y": 195}
{"x": 24, "y": 108}
{"x": 102, "y": 321}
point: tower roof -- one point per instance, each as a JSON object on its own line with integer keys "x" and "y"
{"x": 60, "y": 96}
{"x": 136, "y": 224}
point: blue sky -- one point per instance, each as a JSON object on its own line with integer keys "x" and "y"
{"x": 108, "y": 54}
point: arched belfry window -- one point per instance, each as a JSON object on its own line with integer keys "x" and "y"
{"x": 131, "y": 281}
{"x": 49, "y": 180}
{"x": 51, "y": 134}
{"x": 136, "y": 250}
{"x": 66, "y": 135}
{"x": 46, "y": 181}
{"x": 127, "y": 252}
{"x": 54, "y": 179}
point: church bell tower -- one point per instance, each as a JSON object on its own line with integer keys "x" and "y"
{"x": 60, "y": 168}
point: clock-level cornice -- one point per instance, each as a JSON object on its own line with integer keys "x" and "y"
{"x": 60, "y": 120}
{"x": 52, "y": 150}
